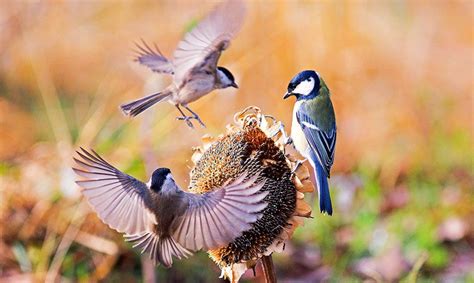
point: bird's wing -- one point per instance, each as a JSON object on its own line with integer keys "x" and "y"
{"x": 119, "y": 199}
{"x": 202, "y": 46}
{"x": 216, "y": 218}
{"x": 322, "y": 142}
{"x": 153, "y": 58}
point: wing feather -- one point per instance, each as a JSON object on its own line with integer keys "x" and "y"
{"x": 322, "y": 142}
{"x": 216, "y": 218}
{"x": 212, "y": 226}
{"x": 153, "y": 58}
{"x": 208, "y": 39}
{"x": 119, "y": 199}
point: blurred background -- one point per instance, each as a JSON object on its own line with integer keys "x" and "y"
{"x": 401, "y": 77}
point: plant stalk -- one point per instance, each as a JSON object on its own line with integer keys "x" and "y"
{"x": 268, "y": 269}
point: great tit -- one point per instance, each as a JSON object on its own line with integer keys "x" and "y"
{"x": 159, "y": 217}
{"x": 313, "y": 130}
{"x": 194, "y": 64}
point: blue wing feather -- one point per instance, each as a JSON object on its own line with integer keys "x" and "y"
{"x": 322, "y": 146}
{"x": 322, "y": 143}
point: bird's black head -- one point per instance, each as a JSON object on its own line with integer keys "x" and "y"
{"x": 158, "y": 178}
{"x": 226, "y": 78}
{"x": 304, "y": 85}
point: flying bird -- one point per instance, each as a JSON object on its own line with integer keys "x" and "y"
{"x": 313, "y": 130}
{"x": 194, "y": 63}
{"x": 159, "y": 217}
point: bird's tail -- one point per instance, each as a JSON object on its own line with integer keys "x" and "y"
{"x": 323, "y": 187}
{"x": 160, "y": 249}
{"x": 138, "y": 106}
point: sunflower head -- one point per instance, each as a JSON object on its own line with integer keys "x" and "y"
{"x": 254, "y": 144}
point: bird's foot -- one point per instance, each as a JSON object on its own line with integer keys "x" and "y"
{"x": 289, "y": 141}
{"x": 278, "y": 129}
{"x": 297, "y": 165}
{"x": 281, "y": 133}
{"x": 196, "y": 117}
{"x": 187, "y": 119}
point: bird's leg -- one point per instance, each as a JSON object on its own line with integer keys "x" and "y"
{"x": 195, "y": 116}
{"x": 280, "y": 129}
{"x": 184, "y": 117}
{"x": 297, "y": 165}
{"x": 286, "y": 139}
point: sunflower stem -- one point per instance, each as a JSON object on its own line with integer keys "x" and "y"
{"x": 268, "y": 269}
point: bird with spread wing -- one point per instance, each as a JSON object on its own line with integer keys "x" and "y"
{"x": 159, "y": 217}
{"x": 194, "y": 63}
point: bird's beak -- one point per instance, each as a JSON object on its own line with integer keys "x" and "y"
{"x": 234, "y": 85}
{"x": 287, "y": 94}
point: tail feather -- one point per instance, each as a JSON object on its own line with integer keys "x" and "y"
{"x": 323, "y": 187}
{"x": 159, "y": 249}
{"x": 138, "y": 106}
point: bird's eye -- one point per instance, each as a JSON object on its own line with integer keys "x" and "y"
{"x": 308, "y": 79}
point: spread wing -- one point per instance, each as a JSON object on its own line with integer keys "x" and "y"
{"x": 202, "y": 46}
{"x": 119, "y": 199}
{"x": 322, "y": 142}
{"x": 216, "y": 218}
{"x": 153, "y": 58}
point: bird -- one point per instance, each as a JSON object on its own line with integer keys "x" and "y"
{"x": 194, "y": 63}
{"x": 313, "y": 130}
{"x": 159, "y": 217}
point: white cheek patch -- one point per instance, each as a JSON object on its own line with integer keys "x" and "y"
{"x": 223, "y": 78}
{"x": 305, "y": 87}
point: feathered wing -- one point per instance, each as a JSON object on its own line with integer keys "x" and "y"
{"x": 216, "y": 218}
{"x": 210, "y": 220}
{"x": 153, "y": 58}
{"x": 160, "y": 249}
{"x": 119, "y": 199}
{"x": 202, "y": 46}
{"x": 322, "y": 143}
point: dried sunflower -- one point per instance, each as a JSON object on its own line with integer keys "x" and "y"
{"x": 255, "y": 144}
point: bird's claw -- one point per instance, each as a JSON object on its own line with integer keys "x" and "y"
{"x": 281, "y": 130}
{"x": 199, "y": 120}
{"x": 187, "y": 120}
{"x": 195, "y": 116}
{"x": 297, "y": 165}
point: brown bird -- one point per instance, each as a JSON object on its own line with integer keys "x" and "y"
{"x": 194, "y": 64}
{"x": 162, "y": 219}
